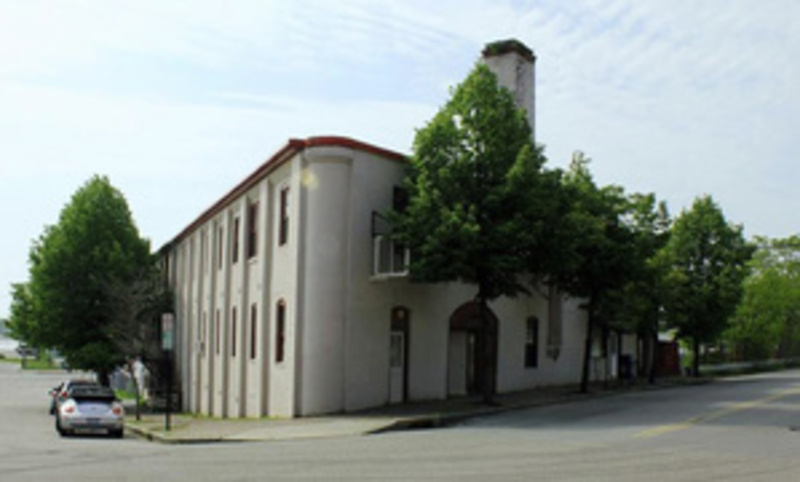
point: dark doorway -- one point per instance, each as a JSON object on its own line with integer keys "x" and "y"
{"x": 467, "y": 366}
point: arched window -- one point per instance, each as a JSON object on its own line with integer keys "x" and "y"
{"x": 280, "y": 331}
{"x": 253, "y": 325}
{"x": 233, "y": 332}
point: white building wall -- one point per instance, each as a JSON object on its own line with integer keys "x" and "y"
{"x": 236, "y": 308}
{"x": 283, "y": 286}
{"x": 219, "y": 270}
{"x": 326, "y": 195}
{"x": 256, "y": 374}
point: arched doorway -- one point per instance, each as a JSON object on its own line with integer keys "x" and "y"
{"x": 466, "y": 364}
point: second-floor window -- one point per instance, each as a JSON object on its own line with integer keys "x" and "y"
{"x": 235, "y": 241}
{"x": 220, "y": 242}
{"x": 252, "y": 230}
{"x": 283, "y": 228}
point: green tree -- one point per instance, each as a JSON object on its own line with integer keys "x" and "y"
{"x": 94, "y": 244}
{"x": 597, "y": 246}
{"x": 642, "y": 300}
{"x": 472, "y": 182}
{"x": 21, "y": 323}
{"x": 706, "y": 263}
{"x": 767, "y": 321}
{"x": 136, "y": 306}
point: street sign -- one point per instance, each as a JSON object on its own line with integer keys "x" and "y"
{"x": 167, "y": 331}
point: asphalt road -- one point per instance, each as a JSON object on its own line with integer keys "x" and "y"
{"x": 739, "y": 429}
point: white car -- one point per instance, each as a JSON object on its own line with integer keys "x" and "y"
{"x": 90, "y": 409}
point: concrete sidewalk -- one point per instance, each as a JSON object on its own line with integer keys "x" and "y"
{"x": 199, "y": 429}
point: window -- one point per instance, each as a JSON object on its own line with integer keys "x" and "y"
{"x": 252, "y": 230}
{"x": 233, "y": 332}
{"x": 220, "y": 233}
{"x": 216, "y": 337}
{"x": 235, "y": 240}
{"x": 283, "y": 229}
{"x": 203, "y": 329}
{"x": 253, "y": 324}
{"x": 203, "y": 251}
{"x": 280, "y": 331}
{"x": 532, "y": 343}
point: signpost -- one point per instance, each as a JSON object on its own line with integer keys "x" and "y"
{"x": 168, "y": 345}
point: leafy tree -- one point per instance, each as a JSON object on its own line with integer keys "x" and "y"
{"x": 94, "y": 244}
{"x": 134, "y": 326}
{"x": 643, "y": 296}
{"x": 706, "y": 262}
{"x": 22, "y": 324}
{"x": 767, "y": 321}
{"x": 472, "y": 185}
{"x": 597, "y": 263}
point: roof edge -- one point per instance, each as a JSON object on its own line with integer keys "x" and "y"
{"x": 290, "y": 149}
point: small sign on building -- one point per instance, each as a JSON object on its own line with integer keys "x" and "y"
{"x": 167, "y": 331}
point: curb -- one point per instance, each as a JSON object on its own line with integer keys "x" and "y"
{"x": 429, "y": 421}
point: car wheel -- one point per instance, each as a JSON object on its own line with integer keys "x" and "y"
{"x": 117, "y": 433}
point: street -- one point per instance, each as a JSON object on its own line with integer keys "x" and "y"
{"x": 737, "y": 429}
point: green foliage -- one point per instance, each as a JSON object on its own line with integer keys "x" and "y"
{"x": 94, "y": 244}
{"x": 476, "y": 193}
{"x": 643, "y": 295}
{"x": 767, "y": 321}
{"x": 705, "y": 262}
{"x": 22, "y": 324}
{"x": 596, "y": 246}
{"x": 471, "y": 185}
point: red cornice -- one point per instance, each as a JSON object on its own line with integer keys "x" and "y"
{"x": 293, "y": 147}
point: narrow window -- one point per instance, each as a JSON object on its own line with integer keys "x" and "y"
{"x": 235, "y": 234}
{"x": 252, "y": 230}
{"x": 532, "y": 343}
{"x": 216, "y": 337}
{"x": 280, "y": 331}
{"x": 203, "y": 329}
{"x": 220, "y": 233}
{"x": 253, "y": 324}
{"x": 203, "y": 251}
{"x": 233, "y": 332}
{"x": 283, "y": 229}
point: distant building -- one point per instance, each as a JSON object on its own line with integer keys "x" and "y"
{"x": 292, "y": 301}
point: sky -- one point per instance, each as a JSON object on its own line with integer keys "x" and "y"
{"x": 178, "y": 101}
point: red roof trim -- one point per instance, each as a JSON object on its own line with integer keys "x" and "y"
{"x": 293, "y": 147}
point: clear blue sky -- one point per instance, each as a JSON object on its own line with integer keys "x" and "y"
{"x": 177, "y": 101}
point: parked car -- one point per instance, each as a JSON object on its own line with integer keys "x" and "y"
{"x": 59, "y": 393}
{"x": 90, "y": 409}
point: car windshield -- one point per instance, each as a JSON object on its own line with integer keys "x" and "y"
{"x": 94, "y": 393}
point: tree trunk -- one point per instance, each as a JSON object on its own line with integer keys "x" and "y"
{"x": 696, "y": 361}
{"x": 487, "y": 387}
{"x": 653, "y": 357}
{"x": 104, "y": 378}
{"x": 587, "y": 350}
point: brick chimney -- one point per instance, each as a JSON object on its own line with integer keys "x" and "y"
{"x": 513, "y": 63}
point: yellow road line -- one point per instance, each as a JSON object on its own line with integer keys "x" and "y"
{"x": 737, "y": 407}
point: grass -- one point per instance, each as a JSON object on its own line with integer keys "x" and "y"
{"x": 32, "y": 363}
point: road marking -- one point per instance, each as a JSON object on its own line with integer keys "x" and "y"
{"x": 737, "y": 407}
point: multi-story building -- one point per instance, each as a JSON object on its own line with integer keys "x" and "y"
{"x": 291, "y": 300}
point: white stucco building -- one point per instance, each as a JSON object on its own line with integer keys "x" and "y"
{"x": 290, "y": 301}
